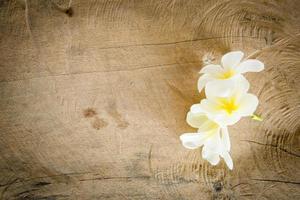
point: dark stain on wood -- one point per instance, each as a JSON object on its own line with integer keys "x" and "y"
{"x": 120, "y": 120}
{"x": 89, "y": 112}
{"x": 99, "y": 123}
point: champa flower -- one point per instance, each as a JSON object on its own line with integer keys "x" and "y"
{"x": 231, "y": 67}
{"x": 214, "y": 139}
{"x": 227, "y": 102}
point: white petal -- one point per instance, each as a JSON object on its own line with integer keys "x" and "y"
{"x": 211, "y": 156}
{"x": 225, "y": 138}
{"x": 220, "y": 88}
{"x": 247, "y": 104}
{"x": 228, "y": 160}
{"x": 214, "y": 142}
{"x": 225, "y": 119}
{"x": 196, "y": 108}
{"x": 210, "y": 107}
{"x": 251, "y": 65}
{"x": 192, "y": 140}
{"x": 227, "y": 87}
{"x": 196, "y": 120}
{"x": 200, "y": 120}
{"x": 232, "y": 59}
{"x": 211, "y": 69}
{"x": 220, "y": 116}
{"x": 242, "y": 84}
{"x": 210, "y": 128}
{"x": 205, "y": 78}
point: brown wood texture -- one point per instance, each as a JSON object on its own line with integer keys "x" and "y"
{"x": 94, "y": 95}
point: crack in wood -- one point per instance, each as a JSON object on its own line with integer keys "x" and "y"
{"x": 106, "y": 71}
{"x": 177, "y": 42}
{"x": 117, "y": 178}
{"x": 274, "y": 146}
{"x": 277, "y": 181}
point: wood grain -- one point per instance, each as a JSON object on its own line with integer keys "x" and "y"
{"x": 94, "y": 95}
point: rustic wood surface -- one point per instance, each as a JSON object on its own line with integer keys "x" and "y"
{"x": 94, "y": 95}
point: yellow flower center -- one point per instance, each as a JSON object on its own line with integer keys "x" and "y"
{"x": 228, "y": 104}
{"x": 227, "y": 74}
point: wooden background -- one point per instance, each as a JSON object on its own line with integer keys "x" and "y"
{"x": 94, "y": 95}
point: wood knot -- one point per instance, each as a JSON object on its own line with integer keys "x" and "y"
{"x": 89, "y": 112}
{"x": 218, "y": 186}
{"x": 69, "y": 12}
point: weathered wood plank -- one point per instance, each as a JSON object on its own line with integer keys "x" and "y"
{"x": 93, "y": 102}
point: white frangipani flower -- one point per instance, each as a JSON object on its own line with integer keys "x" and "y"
{"x": 231, "y": 67}
{"x": 214, "y": 139}
{"x": 227, "y": 102}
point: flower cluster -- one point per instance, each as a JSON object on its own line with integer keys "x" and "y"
{"x": 227, "y": 101}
